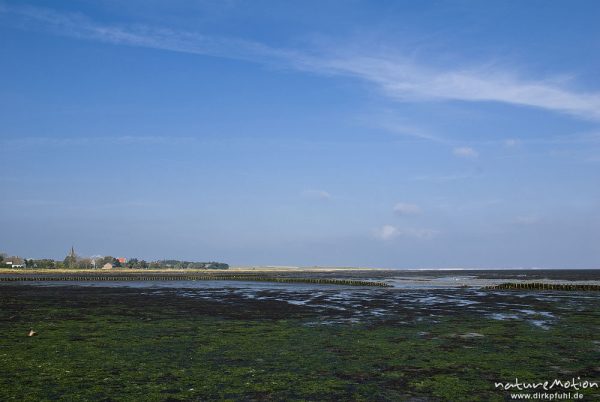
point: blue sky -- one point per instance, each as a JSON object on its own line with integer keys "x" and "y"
{"x": 351, "y": 133}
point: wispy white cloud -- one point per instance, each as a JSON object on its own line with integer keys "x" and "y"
{"x": 407, "y": 130}
{"x": 576, "y": 138}
{"x": 390, "y": 232}
{"x": 27, "y": 142}
{"x": 125, "y": 204}
{"x": 396, "y": 75}
{"x": 133, "y": 204}
{"x": 404, "y": 79}
{"x": 425, "y": 234}
{"x": 80, "y": 26}
{"x": 402, "y": 208}
{"x": 317, "y": 195}
{"x": 465, "y": 152}
{"x": 387, "y": 232}
{"x": 511, "y": 143}
{"x": 445, "y": 178}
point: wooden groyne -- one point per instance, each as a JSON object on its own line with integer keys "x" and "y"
{"x": 572, "y": 287}
{"x": 128, "y": 278}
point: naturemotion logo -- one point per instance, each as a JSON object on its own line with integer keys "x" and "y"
{"x": 569, "y": 389}
{"x": 573, "y": 384}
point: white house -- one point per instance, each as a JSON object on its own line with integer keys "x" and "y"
{"x": 15, "y": 265}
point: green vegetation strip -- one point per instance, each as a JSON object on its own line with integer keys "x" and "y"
{"x": 253, "y": 278}
{"x": 543, "y": 286}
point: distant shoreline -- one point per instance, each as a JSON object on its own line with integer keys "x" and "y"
{"x": 264, "y": 269}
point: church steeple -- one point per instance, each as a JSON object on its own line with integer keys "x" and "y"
{"x": 71, "y": 258}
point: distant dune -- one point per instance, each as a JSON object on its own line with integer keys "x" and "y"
{"x": 275, "y": 268}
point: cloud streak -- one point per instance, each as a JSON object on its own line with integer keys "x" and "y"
{"x": 79, "y": 26}
{"x": 406, "y": 209}
{"x": 446, "y": 178}
{"x": 321, "y": 195}
{"x": 390, "y": 232}
{"x": 465, "y": 152}
{"x": 398, "y": 77}
{"x": 405, "y": 80}
{"x": 27, "y": 142}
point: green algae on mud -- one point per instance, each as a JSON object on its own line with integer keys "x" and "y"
{"x": 122, "y": 344}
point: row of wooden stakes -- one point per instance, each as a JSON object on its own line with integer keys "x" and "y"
{"x": 574, "y": 287}
{"x": 119, "y": 278}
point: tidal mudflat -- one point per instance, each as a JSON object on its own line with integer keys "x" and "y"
{"x": 433, "y": 336}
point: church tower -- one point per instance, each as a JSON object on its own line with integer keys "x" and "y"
{"x": 71, "y": 258}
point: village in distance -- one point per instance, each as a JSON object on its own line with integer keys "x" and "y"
{"x": 75, "y": 261}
